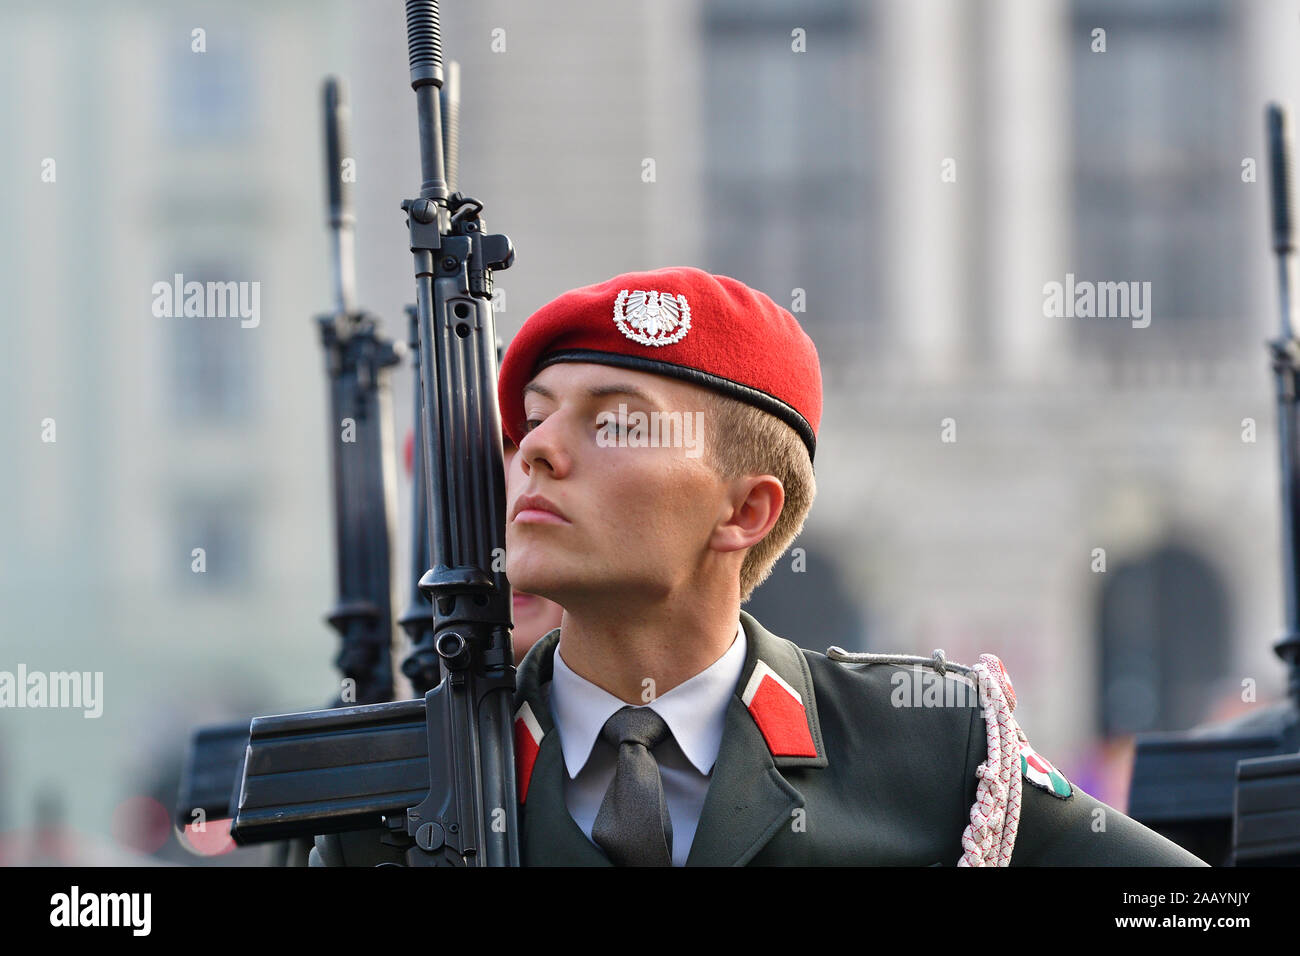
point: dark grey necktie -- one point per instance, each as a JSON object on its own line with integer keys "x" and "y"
{"x": 633, "y": 827}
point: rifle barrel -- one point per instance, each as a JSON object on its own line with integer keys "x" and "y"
{"x": 1285, "y": 352}
{"x": 470, "y": 814}
{"x": 338, "y": 187}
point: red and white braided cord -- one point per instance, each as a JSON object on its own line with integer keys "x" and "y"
{"x": 995, "y": 816}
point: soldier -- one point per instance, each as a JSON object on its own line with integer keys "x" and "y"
{"x": 666, "y": 423}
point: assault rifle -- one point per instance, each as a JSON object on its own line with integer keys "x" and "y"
{"x": 438, "y": 771}
{"x": 1230, "y": 793}
{"x": 357, "y": 360}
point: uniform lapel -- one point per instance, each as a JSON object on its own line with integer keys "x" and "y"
{"x": 749, "y": 800}
{"x": 771, "y": 725}
{"x": 551, "y": 837}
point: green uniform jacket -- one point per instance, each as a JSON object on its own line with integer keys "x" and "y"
{"x": 887, "y": 785}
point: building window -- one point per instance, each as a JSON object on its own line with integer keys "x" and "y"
{"x": 1164, "y": 627}
{"x": 208, "y": 96}
{"x": 213, "y": 377}
{"x": 223, "y": 529}
{"x": 1156, "y": 190}
{"x": 789, "y": 161}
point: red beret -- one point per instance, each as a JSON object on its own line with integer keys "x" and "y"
{"x": 681, "y": 322}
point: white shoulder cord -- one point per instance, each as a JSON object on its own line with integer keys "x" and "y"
{"x": 995, "y": 816}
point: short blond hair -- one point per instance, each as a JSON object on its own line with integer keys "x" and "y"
{"x": 745, "y": 440}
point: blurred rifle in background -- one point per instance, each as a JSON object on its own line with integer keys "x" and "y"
{"x": 357, "y": 363}
{"x": 357, "y": 358}
{"x": 1230, "y": 792}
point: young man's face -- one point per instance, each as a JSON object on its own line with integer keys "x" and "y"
{"x": 636, "y": 520}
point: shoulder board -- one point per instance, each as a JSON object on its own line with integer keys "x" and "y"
{"x": 934, "y": 681}
{"x": 937, "y": 660}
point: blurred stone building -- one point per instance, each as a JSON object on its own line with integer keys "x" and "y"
{"x": 907, "y": 176}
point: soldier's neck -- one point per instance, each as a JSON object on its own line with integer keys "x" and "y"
{"x": 643, "y": 653}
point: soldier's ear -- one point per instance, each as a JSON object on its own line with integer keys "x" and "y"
{"x": 755, "y": 505}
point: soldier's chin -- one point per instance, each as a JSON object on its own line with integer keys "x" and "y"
{"x": 537, "y": 581}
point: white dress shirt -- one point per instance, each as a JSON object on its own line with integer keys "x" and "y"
{"x": 695, "y": 712}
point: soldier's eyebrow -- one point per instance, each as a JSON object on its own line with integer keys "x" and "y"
{"x": 598, "y": 391}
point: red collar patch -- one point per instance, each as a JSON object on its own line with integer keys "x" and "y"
{"x": 778, "y": 710}
{"x": 528, "y": 741}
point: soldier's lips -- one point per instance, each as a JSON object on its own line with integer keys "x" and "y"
{"x": 537, "y": 516}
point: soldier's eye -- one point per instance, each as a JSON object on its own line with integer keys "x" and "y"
{"x": 531, "y": 424}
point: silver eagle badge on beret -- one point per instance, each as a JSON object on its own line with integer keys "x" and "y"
{"x": 652, "y": 318}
